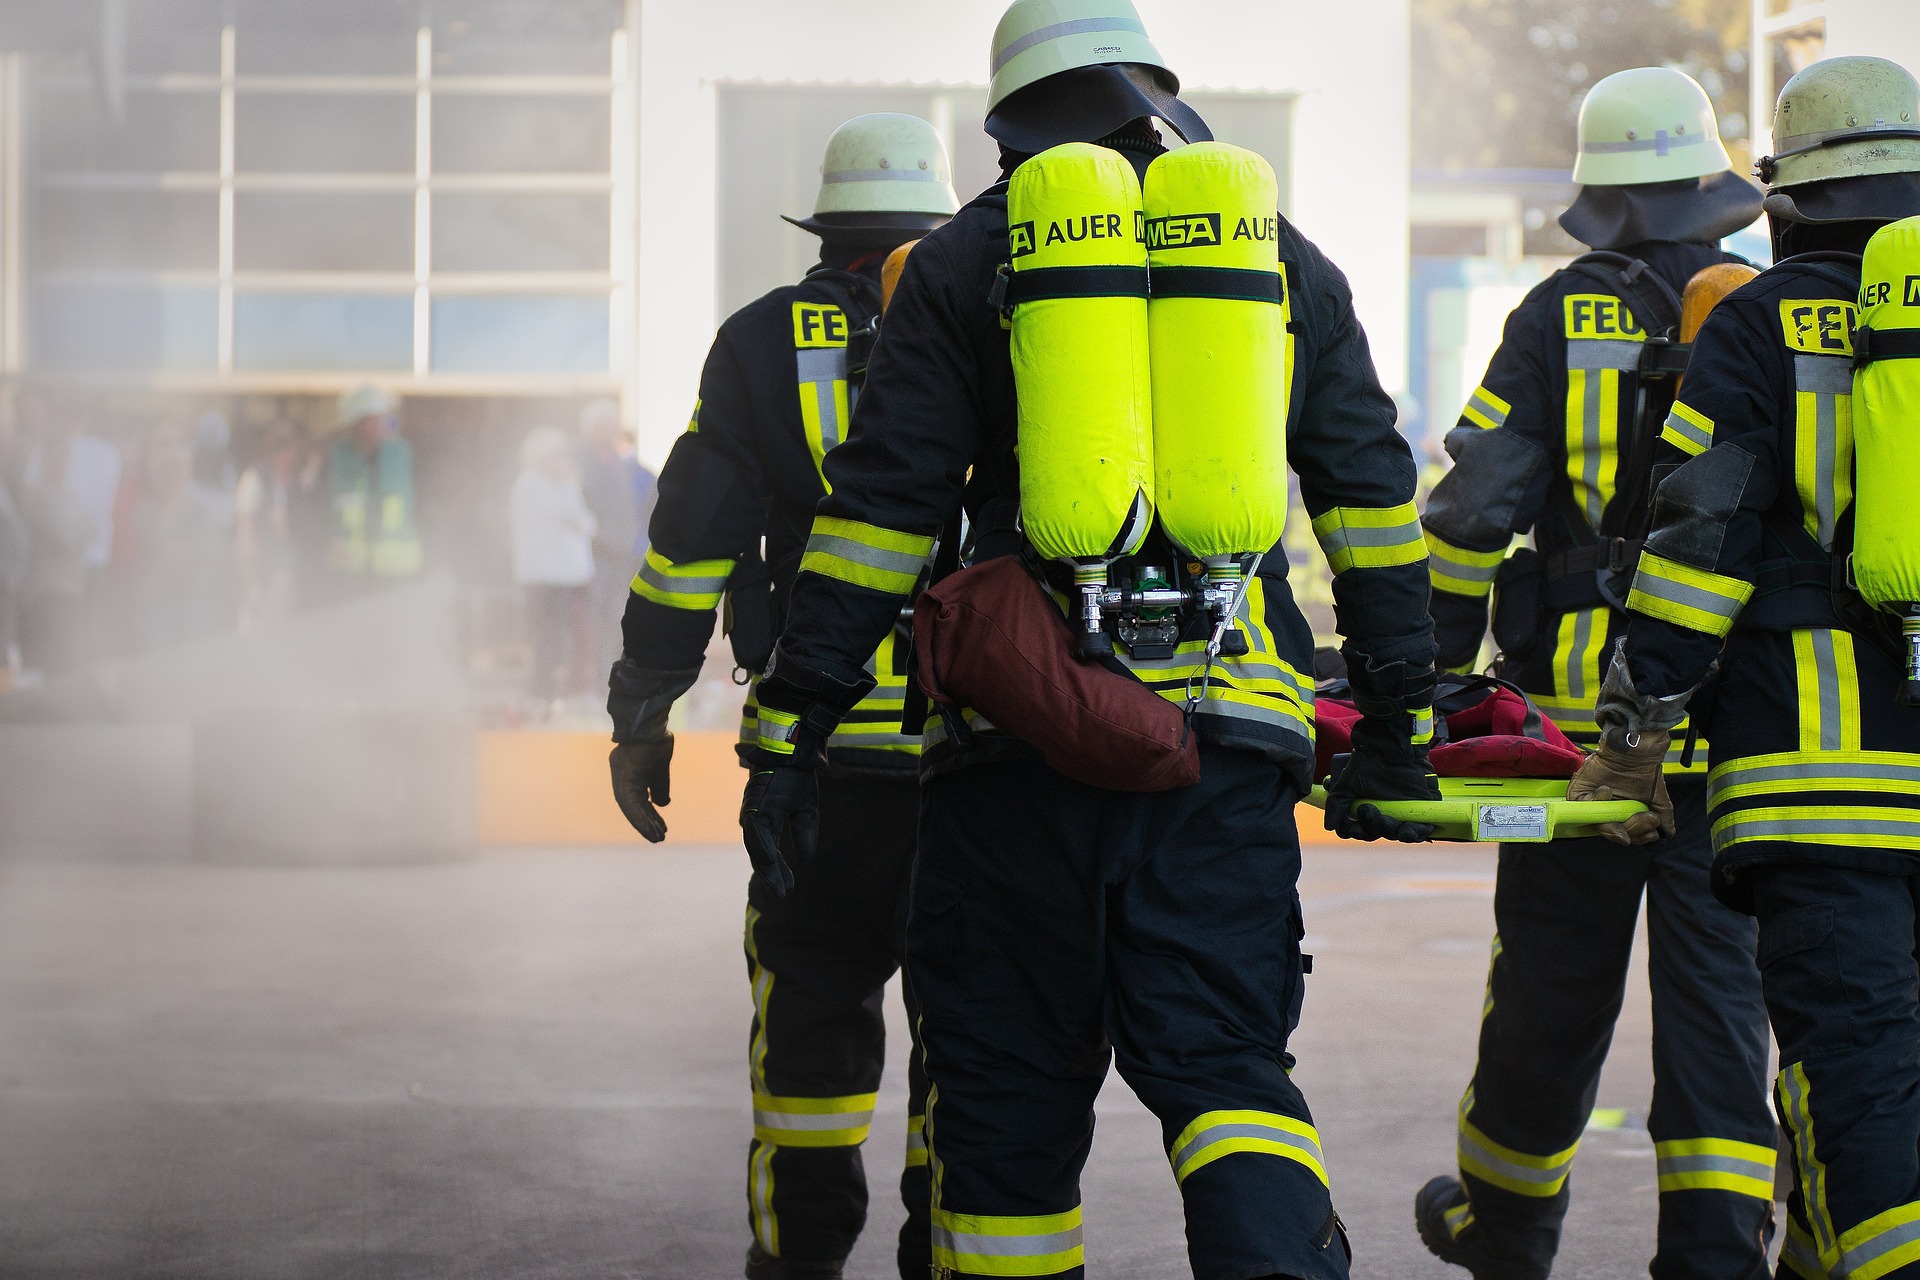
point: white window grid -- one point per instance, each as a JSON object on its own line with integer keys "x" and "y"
{"x": 423, "y": 283}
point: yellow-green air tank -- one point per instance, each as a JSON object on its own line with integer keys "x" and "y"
{"x": 1222, "y": 352}
{"x": 1886, "y": 435}
{"x": 1079, "y": 297}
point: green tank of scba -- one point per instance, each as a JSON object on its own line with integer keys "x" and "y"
{"x": 1221, "y": 352}
{"x": 1886, "y": 433}
{"x": 1080, "y": 362}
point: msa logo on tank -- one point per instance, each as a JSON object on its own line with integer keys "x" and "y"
{"x": 1601, "y": 316}
{"x": 1025, "y": 237}
{"x": 817, "y": 325}
{"x": 1818, "y": 326}
{"x": 1204, "y": 230}
{"x": 1880, "y": 294}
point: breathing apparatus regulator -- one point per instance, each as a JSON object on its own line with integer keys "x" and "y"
{"x": 1152, "y": 359}
{"x": 1885, "y": 566}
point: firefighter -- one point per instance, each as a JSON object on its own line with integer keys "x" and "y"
{"x": 1058, "y": 925}
{"x": 1761, "y": 534}
{"x": 1558, "y": 443}
{"x": 735, "y": 501}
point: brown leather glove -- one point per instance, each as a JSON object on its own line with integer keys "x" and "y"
{"x": 1629, "y": 766}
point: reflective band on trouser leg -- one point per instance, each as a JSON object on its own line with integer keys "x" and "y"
{"x": 1799, "y": 1255}
{"x": 1223, "y": 1133}
{"x": 1510, "y": 1170}
{"x": 813, "y": 1122}
{"x": 1460, "y": 571}
{"x": 1688, "y": 430}
{"x": 1370, "y": 537}
{"x": 916, "y": 1141}
{"x": 981, "y": 1245}
{"x": 1881, "y": 1245}
{"x": 1828, "y": 679}
{"x": 1794, "y": 1097}
{"x": 1715, "y": 1164}
{"x": 1686, "y": 596}
{"x": 1823, "y": 441}
{"x": 1486, "y": 410}
{"x": 865, "y": 555}
{"x": 696, "y": 585}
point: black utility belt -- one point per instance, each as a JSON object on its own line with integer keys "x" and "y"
{"x": 1574, "y": 577}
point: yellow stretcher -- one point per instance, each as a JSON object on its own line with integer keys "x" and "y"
{"x": 1511, "y": 810}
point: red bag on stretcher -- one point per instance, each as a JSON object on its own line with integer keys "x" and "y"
{"x": 1482, "y": 728}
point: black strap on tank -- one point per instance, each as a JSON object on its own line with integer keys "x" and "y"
{"x": 1871, "y": 344}
{"x": 1236, "y": 283}
{"x": 1012, "y": 288}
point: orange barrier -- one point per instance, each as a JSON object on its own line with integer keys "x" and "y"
{"x": 538, "y": 787}
{"x": 552, "y": 788}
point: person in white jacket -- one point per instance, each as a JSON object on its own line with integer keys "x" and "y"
{"x": 553, "y": 530}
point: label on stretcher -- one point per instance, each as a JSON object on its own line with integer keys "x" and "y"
{"x": 1510, "y": 822}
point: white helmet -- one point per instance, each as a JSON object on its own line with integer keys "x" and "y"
{"x": 1650, "y": 124}
{"x": 1097, "y": 56}
{"x": 883, "y": 175}
{"x": 1846, "y": 133}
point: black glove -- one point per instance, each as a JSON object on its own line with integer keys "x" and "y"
{"x": 781, "y": 807}
{"x": 640, "y": 781}
{"x": 639, "y": 699}
{"x": 1384, "y": 765}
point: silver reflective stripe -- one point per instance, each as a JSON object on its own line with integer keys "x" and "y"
{"x": 1825, "y": 378}
{"x": 1715, "y": 1164}
{"x": 812, "y": 1122}
{"x": 1801, "y": 1256}
{"x": 1518, "y": 1172}
{"x": 1593, "y": 354}
{"x": 872, "y": 557}
{"x": 1265, "y": 1132}
{"x": 1484, "y": 404}
{"x": 1688, "y": 431}
{"x": 1856, "y": 1259}
{"x": 1294, "y": 724}
{"x": 1576, "y": 670}
{"x": 1692, "y": 597}
{"x": 1827, "y": 669}
{"x": 879, "y": 175}
{"x": 1233, "y": 668}
{"x": 1345, "y": 537}
{"x": 1660, "y": 143}
{"x": 1006, "y": 1246}
{"x": 1076, "y": 27}
{"x": 822, "y": 364}
{"x": 1739, "y": 828}
{"x": 676, "y": 585}
{"x": 1806, "y": 770}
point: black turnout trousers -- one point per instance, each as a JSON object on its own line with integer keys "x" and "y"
{"x": 1057, "y": 927}
{"x": 819, "y": 960}
{"x": 1565, "y": 914}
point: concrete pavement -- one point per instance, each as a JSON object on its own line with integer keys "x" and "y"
{"x": 529, "y": 1065}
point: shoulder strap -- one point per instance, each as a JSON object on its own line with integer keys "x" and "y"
{"x": 1652, "y": 300}
{"x": 1841, "y": 269}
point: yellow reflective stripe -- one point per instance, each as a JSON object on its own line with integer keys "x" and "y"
{"x": 1486, "y": 1003}
{"x": 1688, "y": 430}
{"x": 1881, "y": 1245}
{"x": 1823, "y": 442}
{"x": 693, "y": 423}
{"x": 696, "y": 585}
{"x": 1458, "y": 1218}
{"x": 1576, "y": 659}
{"x": 866, "y": 555}
{"x": 776, "y": 730}
{"x": 826, "y": 405}
{"x": 916, "y": 1142}
{"x": 1593, "y": 432}
{"x": 813, "y": 1122}
{"x": 1800, "y": 1255}
{"x": 1486, "y": 410}
{"x": 766, "y": 1225}
{"x": 1370, "y": 537}
{"x": 1864, "y": 826}
{"x": 1828, "y": 680}
{"x": 1215, "y": 1134}
{"x": 1796, "y": 1108}
{"x": 1460, "y": 571}
{"x": 1686, "y": 596}
{"x": 982, "y": 1245}
{"x": 1795, "y": 772}
{"x": 1422, "y": 725}
{"x": 1506, "y": 1168}
{"x": 1715, "y": 1164}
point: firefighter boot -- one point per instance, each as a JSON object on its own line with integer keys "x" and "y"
{"x": 762, "y": 1265}
{"x": 1447, "y": 1228}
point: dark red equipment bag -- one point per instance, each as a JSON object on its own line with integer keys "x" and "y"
{"x": 991, "y": 638}
{"x": 1483, "y": 728}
